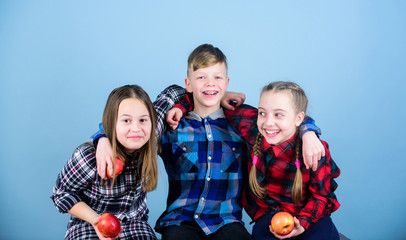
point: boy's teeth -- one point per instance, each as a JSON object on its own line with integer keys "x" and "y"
{"x": 210, "y": 93}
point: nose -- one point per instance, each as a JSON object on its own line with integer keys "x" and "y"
{"x": 135, "y": 127}
{"x": 269, "y": 121}
{"x": 211, "y": 81}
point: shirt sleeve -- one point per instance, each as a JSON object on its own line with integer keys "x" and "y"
{"x": 164, "y": 102}
{"x": 75, "y": 177}
{"x": 323, "y": 200}
{"x": 185, "y": 104}
{"x": 100, "y": 133}
{"x": 309, "y": 125}
{"x": 244, "y": 119}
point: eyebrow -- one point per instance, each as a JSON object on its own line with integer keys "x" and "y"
{"x": 275, "y": 110}
{"x": 129, "y": 115}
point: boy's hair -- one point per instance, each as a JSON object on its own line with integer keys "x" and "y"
{"x": 146, "y": 156}
{"x": 205, "y": 55}
{"x": 299, "y": 100}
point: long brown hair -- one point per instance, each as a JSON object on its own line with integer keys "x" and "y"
{"x": 147, "y": 154}
{"x": 299, "y": 100}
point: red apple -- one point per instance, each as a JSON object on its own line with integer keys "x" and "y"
{"x": 119, "y": 169}
{"x": 109, "y": 225}
{"x": 282, "y": 223}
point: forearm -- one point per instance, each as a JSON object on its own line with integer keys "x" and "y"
{"x": 164, "y": 102}
{"x": 83, "y": 211}
{"x": 308, "y": 215}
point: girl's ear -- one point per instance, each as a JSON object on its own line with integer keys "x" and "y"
{"x": 188, "y": 85}
{"x": 299, "y": 118}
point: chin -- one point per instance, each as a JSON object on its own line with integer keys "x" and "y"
{"x": 272, "y": 141}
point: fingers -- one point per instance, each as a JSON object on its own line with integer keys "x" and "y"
{"x": 306, "y": 160}
{"x": 315, "y": 163}
{"x": 241, "y": 99}
{"x": 101, "y": 170}
{"x": 228, "y": 106}
{"x": 323, "y": 152}
{"x": 173, "y": 117}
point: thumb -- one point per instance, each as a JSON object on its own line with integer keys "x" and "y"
{"x": 177, "y": 116}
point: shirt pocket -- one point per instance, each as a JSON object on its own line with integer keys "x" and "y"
{"x": 231, "y": 157}
{"x": 186, "y": 157}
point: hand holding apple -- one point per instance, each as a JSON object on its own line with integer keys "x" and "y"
{"x": 297, "y": 230}
{"x": 282, "y": 223}
{"x": 109, "y": 225}
{"x": 119, "y": 169}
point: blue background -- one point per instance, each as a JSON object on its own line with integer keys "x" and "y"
{"x": 59, "y": 60}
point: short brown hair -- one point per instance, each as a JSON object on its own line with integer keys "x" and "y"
{"x": 205, "y": 55}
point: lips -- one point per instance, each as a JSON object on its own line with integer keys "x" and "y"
{"x": 271, "y": 133}
{"x": 210, "y": 92}
{"x": 136, "y": 138}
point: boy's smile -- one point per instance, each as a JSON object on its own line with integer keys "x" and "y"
{"x": 208, "y": 86}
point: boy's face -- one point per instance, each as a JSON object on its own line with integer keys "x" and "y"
{"x": 277, "y": 117}
{"x": 208, "y": 86}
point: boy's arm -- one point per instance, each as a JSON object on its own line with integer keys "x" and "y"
{"x": 164, "y": 102}
{"x": 313, "y": 149}
{"x": 230, "y": 101}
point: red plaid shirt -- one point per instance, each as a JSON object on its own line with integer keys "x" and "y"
{"x": 276, "y": 171}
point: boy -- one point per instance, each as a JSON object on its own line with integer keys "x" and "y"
{"x": 203, "y": 158}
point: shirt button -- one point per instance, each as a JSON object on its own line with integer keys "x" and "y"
{"x": 209, "y": 135}
{"x": 209, "y": 157}
{"x": 208, "y": 179}
{"x": 184, "y": 148}
{"x": 233, "y": 149}
{"x": 202, "y": 198}
{"x": 196, "y": 216}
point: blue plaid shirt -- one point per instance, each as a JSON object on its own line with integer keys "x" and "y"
{"x": 203, "y": 159}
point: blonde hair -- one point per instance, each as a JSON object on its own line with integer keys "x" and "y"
{"x": 147, "y": 155}
{"x": 300, "y": 101}
{"x": 205, "y": 55}
{"x": 298, "y": 182}
{"x": 257, "y": 189}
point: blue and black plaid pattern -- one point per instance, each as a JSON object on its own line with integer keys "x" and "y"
{"x": 203, "y": 159}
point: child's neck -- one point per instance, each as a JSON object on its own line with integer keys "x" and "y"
{"x": 203, "y": 112}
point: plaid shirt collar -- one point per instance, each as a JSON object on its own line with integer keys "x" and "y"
{"x": 281, "y": 148}
{"x": 217, "y": 114}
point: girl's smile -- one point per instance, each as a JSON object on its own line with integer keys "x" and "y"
{"x": 133, "y": 124}
{"x": 277, "y": 117}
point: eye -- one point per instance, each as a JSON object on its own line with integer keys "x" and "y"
{"x": 144, "y": 119}
{"x": 200, "y": 77}
{"x": 278, "y": 115}
{"x": 126, "y": 120}
{"x": 261, "y": 114}
{"x": 219, "y": 77}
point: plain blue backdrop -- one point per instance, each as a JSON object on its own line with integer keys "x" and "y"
{"x": 59, "y": 60}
